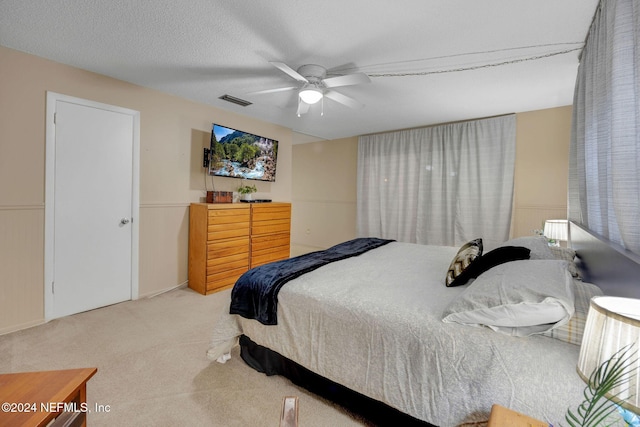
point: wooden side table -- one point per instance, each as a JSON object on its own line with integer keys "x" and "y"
{"x": 503, "y": 417}
{"x": 37, "y": 398}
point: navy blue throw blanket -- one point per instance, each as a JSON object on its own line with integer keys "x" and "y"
{"x": 255, "y": 294}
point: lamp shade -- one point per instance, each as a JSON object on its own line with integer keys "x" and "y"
{"x": 612, "y": 324}
{"x": 556, "y": 229}
{"x": 310, "y": 94}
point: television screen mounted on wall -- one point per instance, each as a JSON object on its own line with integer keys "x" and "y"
{"x": 238, "y": 154}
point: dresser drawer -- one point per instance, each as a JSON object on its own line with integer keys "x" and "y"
{"x": 223, "y": 279}
{"x": 225, "y": 248}
{"x": 269, "y": 248}
{"x": 269, "y": 212}
{"x": 228, "y": 216}
{"x": 270, "y": 226}
{"x": 227, "y": 255}
{"x": 269, "y": 219}
{"x": 227, "y": 231}
{"x": 271, "y": 241}
{"x": 228, "y": 223}
{"x": 215, "y": 265}
{"x": 259, "y": 259}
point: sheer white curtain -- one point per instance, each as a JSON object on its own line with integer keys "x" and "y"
{"x": 604, "y": 177}
{"x": 440, "y": 185}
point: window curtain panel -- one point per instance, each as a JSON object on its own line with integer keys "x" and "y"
{"x": 440, "y": 185}
{"x": 604, "y": 177}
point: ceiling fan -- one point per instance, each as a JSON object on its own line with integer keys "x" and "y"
{"x": 314, "y": 85}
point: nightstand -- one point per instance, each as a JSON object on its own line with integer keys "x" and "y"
{"x": 503, "y": 417}
{"x": 37, "y": 398}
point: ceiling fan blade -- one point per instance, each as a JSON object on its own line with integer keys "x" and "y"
{"x": 279, "y": 89}
{"x": 343, "y": 99}
{"x": 346, "y": 80}
{"x": 303, "y": 107}
{"x": 290, "y": 71}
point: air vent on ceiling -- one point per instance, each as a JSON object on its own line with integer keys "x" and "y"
{"x": 233, "y": 99}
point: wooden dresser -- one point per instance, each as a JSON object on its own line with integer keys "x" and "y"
{"x": 218, "y": 245}
{"x": 226, "y": 239}
{"x": 270, "y": 232}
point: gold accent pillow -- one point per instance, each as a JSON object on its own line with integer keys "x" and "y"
{"x": 460, "y": 264}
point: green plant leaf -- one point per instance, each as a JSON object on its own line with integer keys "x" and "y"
{"x": 247, "y": 189}
{"x": 597, "y": 407}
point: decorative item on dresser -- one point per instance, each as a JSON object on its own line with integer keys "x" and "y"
{"x": 225, "y": 240}
{"x": 246, "y": 191}
{"x": 219, "y": 196}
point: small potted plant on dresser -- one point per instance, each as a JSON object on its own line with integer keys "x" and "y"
{"x": 246, "y": 191}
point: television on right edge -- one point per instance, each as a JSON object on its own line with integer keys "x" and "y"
{"x": 238, "y": 154}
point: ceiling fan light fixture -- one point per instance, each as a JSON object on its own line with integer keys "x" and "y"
{"x": 310, "y": 94}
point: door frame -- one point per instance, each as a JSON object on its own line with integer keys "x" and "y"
{"x": 49, "y": 214}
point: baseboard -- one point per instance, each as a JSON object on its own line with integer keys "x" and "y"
{"x": 16, "y": 328}
{"x": 164, "y": 291}
{"x": 27, "y": 325}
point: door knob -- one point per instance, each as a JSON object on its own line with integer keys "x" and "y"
{"x": 124, "y": 221}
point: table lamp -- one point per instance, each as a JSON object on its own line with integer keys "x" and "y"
{"x": 613, "y": 323}
{"x": 556, "y": 230}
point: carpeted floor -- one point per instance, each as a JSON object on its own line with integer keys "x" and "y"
{"x": 152, "y": 368}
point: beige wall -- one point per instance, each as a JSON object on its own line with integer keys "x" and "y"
{"x": 324, "y": 181}
{"x": 320, "y": 181}
{"x": 172, "y": 135}
{"x": 542, "y": 168}
{"x": 324, "y": 194}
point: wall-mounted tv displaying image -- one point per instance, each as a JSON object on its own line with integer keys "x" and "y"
{"x": 239, "y": 154}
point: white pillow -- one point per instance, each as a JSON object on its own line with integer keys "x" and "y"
{"x": 573, "y": 330}
{"x": 517, "y": 298}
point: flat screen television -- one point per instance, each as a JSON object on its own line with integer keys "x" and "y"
{"x": 237, "y": 154}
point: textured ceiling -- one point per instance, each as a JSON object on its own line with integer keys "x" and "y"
{"x": 464, "y": 58}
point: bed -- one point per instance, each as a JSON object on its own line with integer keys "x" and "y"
{"x": 382, "y": 333}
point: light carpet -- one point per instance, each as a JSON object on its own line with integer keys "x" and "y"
{"x": 153, "y": 370}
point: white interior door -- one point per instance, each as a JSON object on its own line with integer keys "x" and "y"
{"x": 91, "y": 206}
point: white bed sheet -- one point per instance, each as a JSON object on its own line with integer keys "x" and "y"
{"x": 373, "y": 324}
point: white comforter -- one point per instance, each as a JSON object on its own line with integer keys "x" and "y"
{"x": 374, "y": 324}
